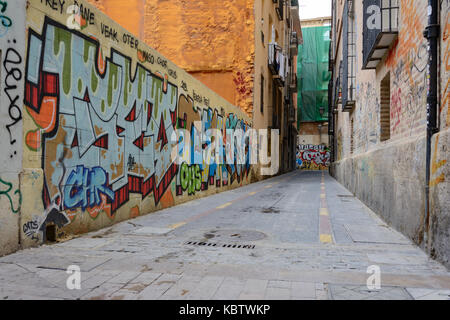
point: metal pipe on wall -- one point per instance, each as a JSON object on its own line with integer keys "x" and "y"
{"x": 432, "y": 32}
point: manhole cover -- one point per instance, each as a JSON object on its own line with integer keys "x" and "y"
{"x": 230, "y": 236}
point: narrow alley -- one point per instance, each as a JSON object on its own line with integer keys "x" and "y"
{"x": 298, "y": 236}
{"x": 215, "y": 151}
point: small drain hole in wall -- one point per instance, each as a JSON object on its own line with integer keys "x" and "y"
{"x": 50, "y": 233}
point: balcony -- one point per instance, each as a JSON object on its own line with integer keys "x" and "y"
{"x": 348, "y": 78}
{"x": 337, "y": 96}
{"x": 277, "y": 63}
{"x": 294, "y": 44}
{"x": 280, "y": 9}
{"x": 330, "y": 108}
{"x": 296, "y": 26}
{"x": 380, "y": 30}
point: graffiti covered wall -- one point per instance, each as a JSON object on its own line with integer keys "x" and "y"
{"x": 12, "y": 62}
{"x": 94, "y": 111}
{"x": 387, "y": 171}
{"x": 440, "y": 163}
{"x": 311, "y": 157}
{"x": 407, "y": 62}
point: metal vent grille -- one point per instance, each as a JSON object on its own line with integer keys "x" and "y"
{"x": 219, "y": 245}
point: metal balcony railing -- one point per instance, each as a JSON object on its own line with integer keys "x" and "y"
{"x": 277, "y": 62}
{"x": 379, "y": 31}
{"x": 349, "y": 57}
{"x": 280, "y": 9}
{"x": 294, "y": 43}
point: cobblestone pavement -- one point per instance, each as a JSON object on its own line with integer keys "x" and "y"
{"x": 299, "y": 236}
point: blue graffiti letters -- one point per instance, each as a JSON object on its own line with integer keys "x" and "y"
{"x": 84, "y": 186}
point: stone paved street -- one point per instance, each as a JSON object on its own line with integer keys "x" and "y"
{"x": 299, "y": 236}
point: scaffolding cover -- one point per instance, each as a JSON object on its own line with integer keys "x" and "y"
{"x": 313, "y": 74}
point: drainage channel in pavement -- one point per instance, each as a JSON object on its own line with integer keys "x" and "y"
{"x": 232, "y": 239}
{"x": 220, "y": 245}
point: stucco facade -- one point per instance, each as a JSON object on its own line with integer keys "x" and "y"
{"x": 379, "y": 138}
{"x": 213, "y": 41}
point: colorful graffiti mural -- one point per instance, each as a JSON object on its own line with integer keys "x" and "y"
{"x": 91, "y": 114}
{"x": 103, "y": 123}
{"x": 310, "y": 157}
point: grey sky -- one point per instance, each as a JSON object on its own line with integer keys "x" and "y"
{"x": 314, "y": 8}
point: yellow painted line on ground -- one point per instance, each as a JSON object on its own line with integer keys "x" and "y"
{"x": 225, "y": 205}
{"x": 269, "y": 186}
{"x": 253, "y": 193}
{"x": 324, "y": 212}
{"x": 177, "y": 225}
{"x": 326, "y": 238}
{"x": 322, "y": 196}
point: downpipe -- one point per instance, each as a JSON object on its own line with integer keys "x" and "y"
{"x": 432, "y": 32}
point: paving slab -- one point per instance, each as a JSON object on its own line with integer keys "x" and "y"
{"x": 149, "y": 258}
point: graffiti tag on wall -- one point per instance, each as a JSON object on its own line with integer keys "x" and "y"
{"x": 6, "y": 191}
{"x": 407, "y": 61}
{"x": 5, "y": 21}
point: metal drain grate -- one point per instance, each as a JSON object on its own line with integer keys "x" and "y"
{"x": 220, "y": 245}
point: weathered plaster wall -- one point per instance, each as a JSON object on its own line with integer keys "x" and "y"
{"x": 100, "y": 108}
{"x": 389, "y": 176}
{"x": 389, "y": 180}
{"x": 315, "y": 133}
{"x": 212, "y": 40}
{"x": 440, "y": 166}
{"x": 12, "y": 62}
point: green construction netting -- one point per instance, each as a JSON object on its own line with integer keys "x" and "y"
{"x": 313, "y": 74}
